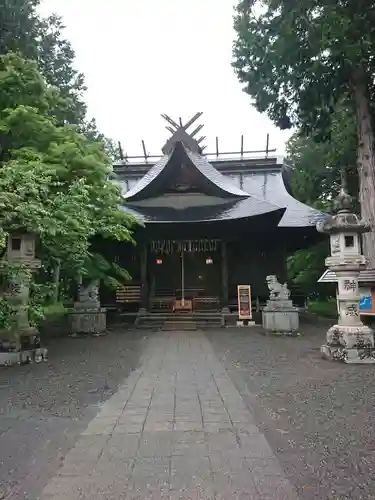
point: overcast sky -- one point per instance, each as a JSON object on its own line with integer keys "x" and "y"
{"x": 146, "y": 57}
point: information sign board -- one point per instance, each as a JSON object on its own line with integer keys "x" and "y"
{"x": 244, "y": 301}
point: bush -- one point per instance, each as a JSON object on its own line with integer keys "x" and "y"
{"x": 325, "y": 308}
{"x": 54, "y": 310}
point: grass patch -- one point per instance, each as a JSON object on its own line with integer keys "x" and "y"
{"x": 54, "y": 310}
{"x": 325, "y": 308}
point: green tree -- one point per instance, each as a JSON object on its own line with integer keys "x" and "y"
{"x": 19, "y": 27}
{"x": 56, "y": 61}
{"x": 317, "y": 171}
{"x": 53, "y": 180}
{"x": 298, "y": 59}
{"x": 24, "y": 31}
{"x": 320, "y": 167}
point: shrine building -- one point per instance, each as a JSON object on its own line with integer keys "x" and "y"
{"x": 211, "y": 222}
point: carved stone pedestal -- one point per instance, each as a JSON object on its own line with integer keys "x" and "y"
{"x": 30, "y": 350}
{"x": 280, "y": 317}
{"x": 89, "y": 321}
{"x": 350, "y": 344}
{"x": 87, "y": 316}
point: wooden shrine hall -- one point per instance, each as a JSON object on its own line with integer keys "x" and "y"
{"x": 211, "y": 222}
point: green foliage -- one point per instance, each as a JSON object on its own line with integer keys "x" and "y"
{"x": 55, "y": 164}
{"x": 56, "y": 62}
{"x": 98, "y": 268}
{"x": 298, "y": 60}
{"x": 325, "y": 308}
{"x": 318, "y": 166}
{"x": 11, "y": 274}
{"x": 53, "y": 180}
{"x": 7, "y": 313}
{"x": 305, "y": 268}
{"x": 316, "y": 181}
{"x": 19, "y": 27}
{"x": 57, "y": 309}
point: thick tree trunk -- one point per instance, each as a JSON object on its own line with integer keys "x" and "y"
{"x": 365, "y": 161}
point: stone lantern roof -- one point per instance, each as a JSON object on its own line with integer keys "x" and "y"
{"x": 345, "y": 220}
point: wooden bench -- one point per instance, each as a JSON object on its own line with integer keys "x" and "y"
{"x": 208, "y": 303}
{"x": 128, "y": 294}
{"x": 162, "y": 303}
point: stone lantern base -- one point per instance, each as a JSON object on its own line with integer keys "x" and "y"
{"x": 350, "y": 344}
{"x": 26, "y": 348}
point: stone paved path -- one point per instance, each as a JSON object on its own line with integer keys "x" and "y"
{"x": 178, "y": 428}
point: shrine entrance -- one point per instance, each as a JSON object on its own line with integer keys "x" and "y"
{"x": 185, "y": 275}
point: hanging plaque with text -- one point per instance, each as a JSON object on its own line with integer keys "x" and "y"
{"x": 244, "y": 301}
{"x": 172, "y": 246}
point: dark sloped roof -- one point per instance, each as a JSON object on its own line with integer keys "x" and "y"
{"x": 234, "y": 209}
{"x": 148, "y": 178}
{"x": 263, "y": 191}
{"x": 205, "y": 167}
{"x": 365, "y": 276}
{"x": 270, "y": 187}
{"x": 216, "y": 183}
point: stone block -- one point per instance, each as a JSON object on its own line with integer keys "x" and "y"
{"x": 283, "y": 322}
{"x": 23, "y": 357}
{"x": 10, "y": 358}
{"x": 350, "y": 356}
{"x": 84, "y": 320}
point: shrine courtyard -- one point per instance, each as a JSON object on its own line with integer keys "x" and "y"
{"x": 222, "y": 414}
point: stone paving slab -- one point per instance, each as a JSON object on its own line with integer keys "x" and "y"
{"x": 177, "y": 429}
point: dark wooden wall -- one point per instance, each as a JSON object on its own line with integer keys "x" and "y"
{"x": 250, "y": 262}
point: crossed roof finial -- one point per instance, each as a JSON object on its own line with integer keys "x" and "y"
{"x": 180, "y": 134}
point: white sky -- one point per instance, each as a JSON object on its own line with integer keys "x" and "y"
{"x": 146, "y": 57}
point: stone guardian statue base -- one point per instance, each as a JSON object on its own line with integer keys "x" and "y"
{"x": 279, "y": 316}
{"x": 88, "y": 317}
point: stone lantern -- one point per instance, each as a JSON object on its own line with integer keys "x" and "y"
{"x": 22, "y": 342}
{"x": 349, "y": 340}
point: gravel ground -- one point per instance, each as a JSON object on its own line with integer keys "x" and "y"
{"x": 44, "y": 407}
{"x": 318, "y": 416}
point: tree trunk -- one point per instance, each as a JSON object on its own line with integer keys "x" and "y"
{"x": 56, "y": 281}
{"x": 365, "y": 161}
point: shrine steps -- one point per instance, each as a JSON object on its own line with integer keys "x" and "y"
{"x": 179, "y": 321}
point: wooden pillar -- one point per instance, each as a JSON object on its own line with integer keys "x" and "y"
{"x": 144, "y": 284}
{"x": 224, "y": 276}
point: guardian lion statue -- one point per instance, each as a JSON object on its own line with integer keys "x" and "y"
{"x": 277, "y": 290}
